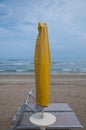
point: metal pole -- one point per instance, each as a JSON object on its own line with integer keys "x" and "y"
{"x": 42, "y": 128}
{"x": 42, "y": 112}
{"x": 42, "y": 115}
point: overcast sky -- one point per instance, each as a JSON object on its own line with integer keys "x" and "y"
{"x": 66, "y": 21}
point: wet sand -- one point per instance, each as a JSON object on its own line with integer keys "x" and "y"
{"x": 65, "y": 88}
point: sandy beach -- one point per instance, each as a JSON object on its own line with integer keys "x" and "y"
{"x": 68, "y": 88}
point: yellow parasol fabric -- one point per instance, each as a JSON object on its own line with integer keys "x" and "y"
{"x": 42, "y": 63}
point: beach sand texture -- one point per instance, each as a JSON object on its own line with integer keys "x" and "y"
{"x": 68, "y": 88}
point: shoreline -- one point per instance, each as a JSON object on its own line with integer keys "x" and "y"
{"x": 52, "y": 73}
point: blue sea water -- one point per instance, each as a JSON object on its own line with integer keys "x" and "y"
{"x": 19, "y": 65}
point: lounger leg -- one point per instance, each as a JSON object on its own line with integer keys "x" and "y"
{"x": 42, "y": 128}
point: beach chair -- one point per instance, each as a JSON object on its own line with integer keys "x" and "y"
{"x": 65, "y": 117}
{"x": 26, "y": 104}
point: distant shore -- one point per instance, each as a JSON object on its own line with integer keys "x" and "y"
{"x": 65, "y": 87}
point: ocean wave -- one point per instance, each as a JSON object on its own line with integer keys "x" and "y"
{"x": 55, "y": 62}
{"x": 14, "y": 64}
{"x": 63, "y": 63}
{"x": 52, "y": 70}
{"x": 20, "y": 70}
{"x": 19, "y": 65}
{"x": 2, "y": 70}
{"x": 22, "y": 64}
{"x": 72, "y": 63}
{"x": 17, "y": 70}
{"x": 16, "y": 59}
{"x": 83, "y": 70}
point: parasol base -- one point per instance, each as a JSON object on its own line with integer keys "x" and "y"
{"x": 46, "y": 120}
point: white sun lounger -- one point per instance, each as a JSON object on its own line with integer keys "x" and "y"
{"x": 65, "y": 117}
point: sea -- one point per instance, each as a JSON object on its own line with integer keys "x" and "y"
{"x": 26, "y": 65}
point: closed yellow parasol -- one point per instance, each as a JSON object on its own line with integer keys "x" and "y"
{"x": 42, "y": 65}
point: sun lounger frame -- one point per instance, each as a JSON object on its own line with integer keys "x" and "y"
{"x": 62, "y": 111}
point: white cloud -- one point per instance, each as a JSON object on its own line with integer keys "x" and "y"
{"x": 56, "y": 12}
{"x": 5, "y": 32}
{"x": 65, "y": 18}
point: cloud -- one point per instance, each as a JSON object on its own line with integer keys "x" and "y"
{"x": 3, "y": 30}
{"x": 59, "y": 13}
{"x": 5, "y": 33}
{"x": 83, "y": 35}
{"x": 66, "y": 21}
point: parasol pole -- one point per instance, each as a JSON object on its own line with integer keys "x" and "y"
{"x": 42, "y": 112}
